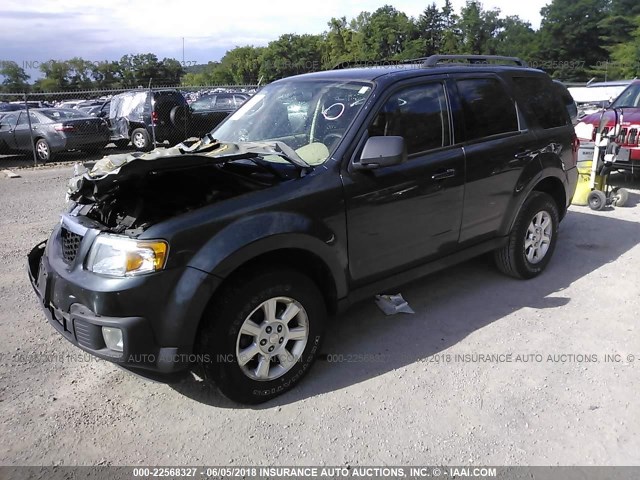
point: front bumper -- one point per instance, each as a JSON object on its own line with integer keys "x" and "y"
{"x": 158, "y": 335}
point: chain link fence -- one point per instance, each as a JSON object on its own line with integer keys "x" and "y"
{"x": 43, "y": 124}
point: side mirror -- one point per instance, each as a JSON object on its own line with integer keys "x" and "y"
{"x": 380, "y": 152}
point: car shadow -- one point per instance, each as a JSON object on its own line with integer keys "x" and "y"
{"x": 450, "y": 305}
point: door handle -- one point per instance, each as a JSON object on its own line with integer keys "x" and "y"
{"x": 523, "y": 154}
{"x": 442, "y": 174}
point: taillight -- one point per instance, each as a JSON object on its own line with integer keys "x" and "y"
{"x": 575, "y": 146}
{"x": 154, "y": 116}
{"x": 60, "y": 127}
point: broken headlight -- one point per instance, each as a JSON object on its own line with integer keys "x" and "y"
{"x": 119, "y": 256}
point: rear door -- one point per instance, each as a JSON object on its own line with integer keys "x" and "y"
{"x": 22, "y": 133}
{"x": 497, "y": 145}
{"x": 7, "y": 138}
{"x": 400, "y": 216}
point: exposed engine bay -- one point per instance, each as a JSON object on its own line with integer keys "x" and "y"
{"x": 129, "y": 193}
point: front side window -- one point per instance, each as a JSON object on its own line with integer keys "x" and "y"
{"x": 487, "y": 108}
{"x": 419, "y": 114}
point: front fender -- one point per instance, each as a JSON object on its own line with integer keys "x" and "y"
{"x": 249, "y": 237}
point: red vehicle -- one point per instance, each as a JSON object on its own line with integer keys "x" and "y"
{"x": 627, "y": 108}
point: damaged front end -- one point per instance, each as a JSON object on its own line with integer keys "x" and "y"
{"x": 128, "y": 193}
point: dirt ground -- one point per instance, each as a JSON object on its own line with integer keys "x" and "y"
{"x": 489, "y": 370}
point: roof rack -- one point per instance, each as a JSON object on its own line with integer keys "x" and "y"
{"x": 366, "y": 63}
{"x": 473, "y": 60}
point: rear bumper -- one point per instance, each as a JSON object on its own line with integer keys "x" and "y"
{"x": 158, "y": 336}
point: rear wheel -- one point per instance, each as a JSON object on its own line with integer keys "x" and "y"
{"x": 43, "y": 150}
{"x": 261, "y": 334}
{"x": 597, "y": 200}
{"x": 532, "y": 239}
{"x": 140, "y": 139}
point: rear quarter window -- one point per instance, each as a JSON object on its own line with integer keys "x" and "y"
{"x": 487, "y": 107}
{"x": 541, "y": 99}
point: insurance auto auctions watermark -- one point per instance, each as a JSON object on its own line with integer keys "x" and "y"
{"x": 31, "y": 357}
{"x": 532, "y": 358}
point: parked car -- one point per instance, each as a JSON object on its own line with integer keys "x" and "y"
{"x": 628, "y": 105}
{"x": 92, "y": 111}
{"x": 209, "y": 111}
{"x": 132, "y": 118}
{"x": 246, "y": 239}
{"x": 11, "y": 107}
{"x": 54, "y": 130}
{"x": 595, "y": 96}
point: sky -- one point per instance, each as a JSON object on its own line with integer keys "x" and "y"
{"x": 38, "y": 30}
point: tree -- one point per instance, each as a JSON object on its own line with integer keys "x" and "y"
{"x": 15, "y": 78}
{"x": 516, "y": 39}
{"x": 431, "y": 29}
{"x": 243, "y": 64}
{"x": 56, "y": 76}
{"x": 80, "y": 74}
{"x": 107, "y": 75}
{"x": 570, "y": 35}
{"x": 291, "y": 55}
{"x": 338, "y": 43}
{"x": 479, "y": 29}
{"x": 626, "y": 56}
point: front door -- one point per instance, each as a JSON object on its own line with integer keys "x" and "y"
{"x": 400, "y": 216}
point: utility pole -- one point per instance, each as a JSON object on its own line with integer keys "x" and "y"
{"x": 183, "y": 52}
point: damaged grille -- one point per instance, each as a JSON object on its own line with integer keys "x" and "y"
{"x": 70, "y": 244}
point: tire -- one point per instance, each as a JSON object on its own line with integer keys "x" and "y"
{"x": 121, "y": 143}
{"x": 141, "y": 140}
{"x": 178, "y": 116}
{"x": 43, "y": 150}
{"x": 597, "y": 200}
{"x": 532, "y": 239}
{"x": 620, "y": 197}
{"x": 226, "y": 335}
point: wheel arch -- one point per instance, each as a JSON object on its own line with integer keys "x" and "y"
{"x": 554, "y": 187}
{"x": 299, "y": 259}
{"x": 550, "y": 184}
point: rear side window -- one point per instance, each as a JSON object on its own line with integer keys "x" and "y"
{"x": 419, "y": 114}
{"x": 541, "y": 99}
{"x": 488, "y": 109}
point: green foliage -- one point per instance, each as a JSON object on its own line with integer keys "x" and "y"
{"x": 15, "y": 78}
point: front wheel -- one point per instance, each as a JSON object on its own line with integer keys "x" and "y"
{"x": 261, "y": 334}
{"x": 532, "y": 239}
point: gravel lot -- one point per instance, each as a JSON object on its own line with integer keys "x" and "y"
{"x": 420, "y": 401}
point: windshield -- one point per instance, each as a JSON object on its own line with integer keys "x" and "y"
{"x": 308, "y": 116}
{"x": 630, "y": 98}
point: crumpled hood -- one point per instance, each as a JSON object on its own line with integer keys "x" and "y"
{"x": 110, "y": 170}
